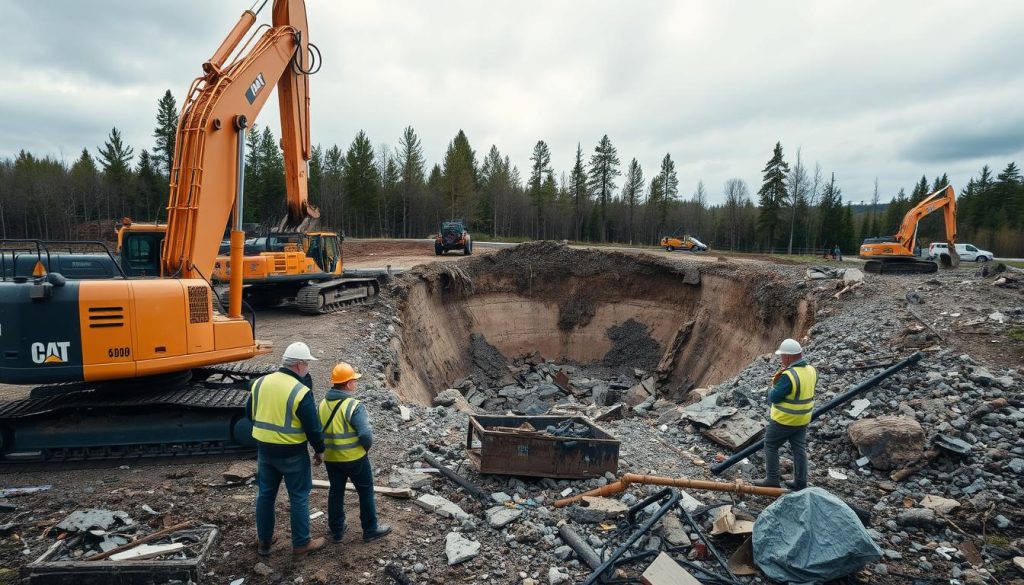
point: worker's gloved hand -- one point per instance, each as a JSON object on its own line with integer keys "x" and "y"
{"x": 318, "y": 458}
{"x": 776, "y": 376}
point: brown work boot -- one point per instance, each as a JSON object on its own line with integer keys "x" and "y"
{"x": 314, "y": 544}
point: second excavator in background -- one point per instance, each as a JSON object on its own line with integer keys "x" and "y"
{"x": 895, "y": 254}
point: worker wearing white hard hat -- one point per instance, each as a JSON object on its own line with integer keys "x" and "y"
{"x": 285, "y": 420}
{"x": 792, "y": 402}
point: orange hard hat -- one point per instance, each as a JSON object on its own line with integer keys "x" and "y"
{"x": 343, "y": 373}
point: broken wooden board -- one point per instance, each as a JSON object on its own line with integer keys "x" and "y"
{"x": 736, "y": 433}
{"x": 728, "y": 522}
{"x": 147, "y": 551}
{"x": 742, "y": 561}
{"x": 668, "y": 360}
{"x": 400, "y": 493}
{"x": 665, "y": 571}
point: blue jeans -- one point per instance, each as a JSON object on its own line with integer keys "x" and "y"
{"x": 297, "y": 474}
{"x": 777, "y": 435}
{"x": 361, "y": 474}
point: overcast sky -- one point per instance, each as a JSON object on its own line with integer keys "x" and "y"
{"x": 887, "y": 89}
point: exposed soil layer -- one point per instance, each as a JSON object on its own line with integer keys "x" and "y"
{"x": 588, "y": 306}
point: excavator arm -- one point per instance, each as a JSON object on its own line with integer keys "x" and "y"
{"x": 895, "y": 255}
{"x": 207, "y": 174}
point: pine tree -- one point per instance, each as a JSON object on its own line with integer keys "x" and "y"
{"x": 796, "y": 182}
{"x": 411, "y": 162}
{"x": 536, "y": 188}
{"x": 361, "y": 184}
{"x": 578, "y": 192}
{"x": 150, "y": 187}
{"x": 459, "y": 180}
{"x": 116, "y": 161}
{"x": 496, "y": 185}
{"x": 164, "y": 133}
{"x": 269, "y": 204}
{"x": 773, "y": 194}
{"x": 700, "y": 208}
{"x": 604, "y": 167}
{"x": 669, "y": 184}
{"x": 632, "y": 188}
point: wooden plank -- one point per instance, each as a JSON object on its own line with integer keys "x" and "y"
{"x": 400, "y": 493}
{"x": 147, "y": 551}
{"x": 665, "y": 571}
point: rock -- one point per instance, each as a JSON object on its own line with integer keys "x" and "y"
{"x": 500, "y": 516}
{"x": 419, "y": 568}
{"x": 1019, "y": 563}
{"x": 441, "y": 507}
{"x": 980, "y": 375}
{"x": 447, "y": 397}
{"x": 1016, "y": 465}
{"x": 563, "y": 552}
{"x": 939, "y": 504}
{"x": 408, "y": 478}
{"x": 241, "y": 471}
{"x": 321, "y": 577}
{"x": 917, "y": 517}
{"x": 532, "y": 405}
{"x": 502, "y": 497}
{"x": 556, "y": 577}
{"x": 852, "y": 275}
{"x": 636, "y": 395}
{"x": 459, "y": 549}
{"x": 673, "y": 531}
{"x": 888, "y": 441}
{"x": 859, "y": 406}
{"x": 262, "y": 569}
{"x": 1002, "y": 521}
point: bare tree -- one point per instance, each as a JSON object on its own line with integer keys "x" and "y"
{"x": 797, "y": 183}
{"x": 736, "y": 196}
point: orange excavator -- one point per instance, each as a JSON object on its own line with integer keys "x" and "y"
{"x": 895, "y": 254}
{"x": 107, "y": 347}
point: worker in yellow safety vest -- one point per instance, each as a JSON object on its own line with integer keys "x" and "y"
{"x": 347, "y": 437}
{"x": 284, "y": 421}
{"x": 792, "y": 402}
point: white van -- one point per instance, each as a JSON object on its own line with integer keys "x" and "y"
{"x": 967, "y": 252}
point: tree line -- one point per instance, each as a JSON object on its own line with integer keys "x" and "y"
{"x": 368, "y": 190}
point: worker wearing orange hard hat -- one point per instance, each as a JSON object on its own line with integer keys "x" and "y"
{"x": 347, "y": 438}
{"x": 792, "y": 403}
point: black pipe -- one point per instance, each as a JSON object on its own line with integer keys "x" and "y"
{"x": 707, "y": 543}
{"x": 470, "y": 487}
{"x": 831, "y": 404}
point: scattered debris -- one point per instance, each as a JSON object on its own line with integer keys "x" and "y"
{"x": 459, "y": 549}
{"x": 400, "y": 493}
{"x": 441, "y": 506}
{"x": 21, "y": 491}
{"x": 665, "y": 571}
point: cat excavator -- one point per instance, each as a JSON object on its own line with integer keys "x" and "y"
{"x": 135, "y": 366}
{"x": 895, "y": 254}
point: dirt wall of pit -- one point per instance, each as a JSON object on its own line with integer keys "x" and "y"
{"x": 589, "y": 306}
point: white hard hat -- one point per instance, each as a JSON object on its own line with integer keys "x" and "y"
{"x": 789, "y": 347}
{"x": 298, "y": 351}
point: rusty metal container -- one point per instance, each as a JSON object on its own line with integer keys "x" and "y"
{"x": 519, "y": 445}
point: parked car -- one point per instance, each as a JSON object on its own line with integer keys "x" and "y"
{"x": 967, "y": 252}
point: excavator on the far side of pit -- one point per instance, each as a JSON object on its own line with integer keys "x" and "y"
{"x": 127, "y": 360}
{"x": 895, "y": 254}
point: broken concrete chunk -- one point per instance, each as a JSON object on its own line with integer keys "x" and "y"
{"x": 707, "y": 412}
{"x": 500, "y": 516}
{"x": 240, "y": 472}
{"x": 408, "y": 478}
{"x": 83, "y": 520}
{"x": 441, "y": 507}
{"x": 595, "y": 509}
{"x": 447, "y": 397}
{"x": 737, "y": 432}
{"x": 406, "y": 414}
{"x": 858, "y": 407}
{"x": 459, "y": 549}
{"x": 888, "y": 441}
{"x": 673, "y": 531}
{"x": 939, "y": 504}
{"x": 688, "y": 502}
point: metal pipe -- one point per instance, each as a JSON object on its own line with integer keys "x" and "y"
{"x": 824, "y": 408}
{"x": 707, "y": 543}
{"x": 696, "y": 484}
{"x": 467, "y": 485}
{"x": 579, "y": 546}
{"x": 237, "y": 234}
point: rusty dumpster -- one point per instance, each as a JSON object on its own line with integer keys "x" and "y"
{"x": 526, "y": 445}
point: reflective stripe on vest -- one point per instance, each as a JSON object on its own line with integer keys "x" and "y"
{"x": 796, "y": 408}
{"x": 340, "y": 438}
{"x": 275, "y": 399}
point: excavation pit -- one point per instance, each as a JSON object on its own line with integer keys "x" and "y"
{"x": 685, "y": 325}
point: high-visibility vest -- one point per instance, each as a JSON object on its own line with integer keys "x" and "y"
{"x": 275, "y": 401}
{"x": 796, "y": 408}
{"x": 340, "y": 437}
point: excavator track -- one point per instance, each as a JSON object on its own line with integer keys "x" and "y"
{"x": 176, "y": 415}
{"x": 326, "y": 297}
{"x": 900, "y": 266}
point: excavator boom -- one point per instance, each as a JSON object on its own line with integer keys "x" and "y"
{"x": 895, "y": 254}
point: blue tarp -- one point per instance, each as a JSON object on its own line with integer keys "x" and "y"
{"x": 811, "y": 536}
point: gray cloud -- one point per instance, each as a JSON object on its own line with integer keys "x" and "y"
{"x": 872, "y": 89}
